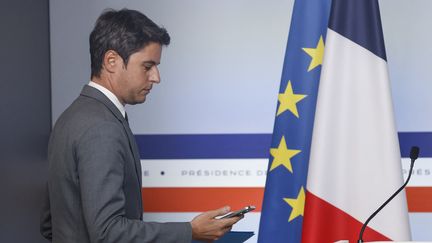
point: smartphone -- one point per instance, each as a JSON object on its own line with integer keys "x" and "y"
{"x": 239, "y": 212}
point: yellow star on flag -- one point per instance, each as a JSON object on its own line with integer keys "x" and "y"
{"x": 288, "y": 101}
{"x": 297, "y": 205}
{"x": 282, "y": 155}
{"x": 316, "y": 53}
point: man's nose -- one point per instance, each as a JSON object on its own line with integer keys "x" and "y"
{"x": 155, "y": 76}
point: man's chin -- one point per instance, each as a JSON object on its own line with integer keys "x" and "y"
{"x": 137, "y": 101}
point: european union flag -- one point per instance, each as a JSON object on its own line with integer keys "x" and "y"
{"x": 284, "y": 196}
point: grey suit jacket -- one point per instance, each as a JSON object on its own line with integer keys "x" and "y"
{"x": 94, "y": 179}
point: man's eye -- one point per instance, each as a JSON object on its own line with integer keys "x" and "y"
{"x": 148, "y": 67}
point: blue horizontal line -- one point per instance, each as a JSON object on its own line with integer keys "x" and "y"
{"x": 204, "y": 146}
{"x": 241, "y": 146}
{"x": 421, "y": 139}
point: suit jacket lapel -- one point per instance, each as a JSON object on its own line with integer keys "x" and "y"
{"x": 96, "y": 94}
{"x": 135, "y": 150}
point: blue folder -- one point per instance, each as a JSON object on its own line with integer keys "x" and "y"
{"x": 233, "y": 237}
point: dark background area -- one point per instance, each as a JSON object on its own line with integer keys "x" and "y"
{"x": 25, "y": 109}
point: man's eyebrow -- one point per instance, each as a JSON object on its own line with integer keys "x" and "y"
{"x": 150, "y": 62}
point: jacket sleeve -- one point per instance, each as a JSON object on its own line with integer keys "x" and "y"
{"x": 45, "y": 217}
{"x": 101, "y": 154}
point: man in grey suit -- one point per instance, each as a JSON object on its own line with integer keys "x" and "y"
{"x": 94, "y": 180}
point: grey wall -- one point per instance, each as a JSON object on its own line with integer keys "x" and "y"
{"x": 25, "y": 112}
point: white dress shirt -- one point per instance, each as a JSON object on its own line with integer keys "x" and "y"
{"x": 110, "y": 96}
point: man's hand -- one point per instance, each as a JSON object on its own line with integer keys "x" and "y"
{"x": 206, "y": 227}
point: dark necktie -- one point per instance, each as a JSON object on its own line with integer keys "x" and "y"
{"x": 126, "y": 118}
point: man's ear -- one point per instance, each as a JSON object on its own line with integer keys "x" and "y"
{"x": 112, "y": 61}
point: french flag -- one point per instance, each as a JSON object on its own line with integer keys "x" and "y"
{"x": 355, "y": 162}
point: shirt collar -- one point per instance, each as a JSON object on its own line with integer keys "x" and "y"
{"x": 110, "y": 96}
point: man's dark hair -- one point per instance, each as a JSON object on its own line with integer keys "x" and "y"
{"x": 124, "y": 31}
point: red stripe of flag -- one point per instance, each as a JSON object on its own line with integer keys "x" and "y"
{"x": 327, "y": 223}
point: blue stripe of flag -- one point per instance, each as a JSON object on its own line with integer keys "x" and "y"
{"x": 363, "y": 29}
{"x": 241, "y": 146}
